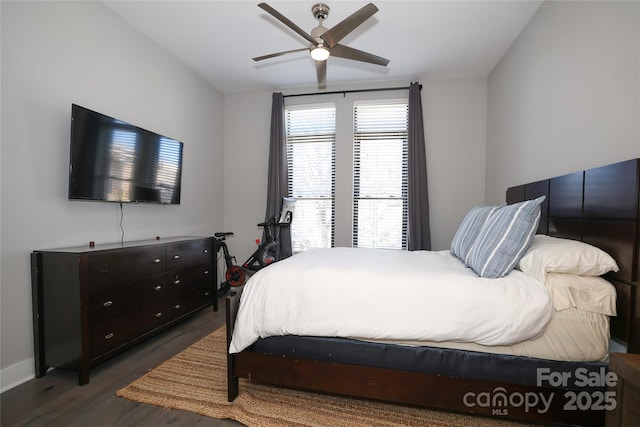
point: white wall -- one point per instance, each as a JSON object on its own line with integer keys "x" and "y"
{"x": 247, "y": 119}
{"x": 566, "y": 95}
{"x": 454, "y": 116}
{"x": 58, "y": 53}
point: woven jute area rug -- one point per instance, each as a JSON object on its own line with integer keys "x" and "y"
{"x": 195, "y": 380}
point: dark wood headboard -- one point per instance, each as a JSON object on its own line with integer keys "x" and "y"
{"x": 599, "y": 206}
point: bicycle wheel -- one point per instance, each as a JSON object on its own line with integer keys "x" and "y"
{"x": 235, "y": 276}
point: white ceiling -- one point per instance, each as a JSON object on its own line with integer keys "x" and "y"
{"x": 217, "y": 39}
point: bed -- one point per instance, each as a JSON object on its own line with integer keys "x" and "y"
{"x": 530, "y": 377}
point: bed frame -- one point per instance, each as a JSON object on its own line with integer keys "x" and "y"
{"x": 599, "y": 206}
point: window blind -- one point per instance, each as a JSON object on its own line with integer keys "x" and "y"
{"x": 380, "y": 174}
{"x": 310, "y": 139}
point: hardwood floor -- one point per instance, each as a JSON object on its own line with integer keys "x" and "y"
{"x": 58, "y": 400}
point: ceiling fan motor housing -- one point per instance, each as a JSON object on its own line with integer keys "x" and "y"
{"x": 320, "y": 11}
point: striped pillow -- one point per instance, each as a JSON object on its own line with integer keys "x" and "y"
{"x": 469, "y": 230}
{"x": 504, "y": 239}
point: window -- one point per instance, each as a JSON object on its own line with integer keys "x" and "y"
{"x": 348, "y": 171}
{"x": 380, "y": 174}
{"x": 310, "y": 138}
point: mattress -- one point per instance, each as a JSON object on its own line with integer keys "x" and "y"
{"x": 572, "y": 335}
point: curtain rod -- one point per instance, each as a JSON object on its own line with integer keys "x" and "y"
{"x": 344, "y": 92}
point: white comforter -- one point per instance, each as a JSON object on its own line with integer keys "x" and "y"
{"x": 389, "y": 295}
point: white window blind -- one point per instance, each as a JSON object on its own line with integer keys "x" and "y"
{"x": 380, "y": 174}
{"x": 310, "y": 138}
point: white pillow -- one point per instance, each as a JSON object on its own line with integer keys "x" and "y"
{"x": 588, "y": 293}
{"x": 548, "y": 254}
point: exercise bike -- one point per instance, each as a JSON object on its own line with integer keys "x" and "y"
{"x": 266, "y": 253}
{"x": 236, "y": 275}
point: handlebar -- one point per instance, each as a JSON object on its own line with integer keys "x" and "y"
{"x": 222, "y": 235}
{"x": 271, "y": 222}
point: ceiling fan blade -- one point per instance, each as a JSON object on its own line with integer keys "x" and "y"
{"x": 280, "y": 17}
{"x": 321, "y": 71}
{"x": 346, "y": 52}
{"x": 333, "y": 36}
{"x": 273, "y": 55}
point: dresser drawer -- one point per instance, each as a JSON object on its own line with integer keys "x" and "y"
{"x": 626, "y": 390}
{"x": 111, "y": 300}
{"x": 200, "y": 276}
{"x": 188, "y": 254}
{"x": 111, "y": 334}
{"x": 126, "y": 265}
{"x": 184, "y": 303}
{"x": 630, "y": 412}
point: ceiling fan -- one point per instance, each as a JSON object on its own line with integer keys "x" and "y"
{"x": 325, "y": 42}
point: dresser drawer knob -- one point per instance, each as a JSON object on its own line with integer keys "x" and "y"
{"x": 206, "y": 272}
{"x": 157, "y": 288}
{"x": 206, "y": 294}
{"x": 206, "y": 251}
{"x": 156, "y": 261}
{"x": 176, "y": 282}
{"x": 158, "y": 314}
{"x": 177, "y": 307}
{"x": 108, "y": 336}
{"x": 108, "y": 303}
{"x": 104, "y": 271}
{"x": 176, "y": 257}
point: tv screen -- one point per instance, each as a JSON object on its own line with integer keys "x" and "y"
{"x": 114, "y": 161}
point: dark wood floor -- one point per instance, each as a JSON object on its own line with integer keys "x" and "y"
{"x": 58, "y": 400}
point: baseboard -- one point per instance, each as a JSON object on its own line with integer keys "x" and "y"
{"x": 14, "y": 375}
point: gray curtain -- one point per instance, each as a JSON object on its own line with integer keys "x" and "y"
{"x": 418, "y": 197}
{"x": 278, "y": 174}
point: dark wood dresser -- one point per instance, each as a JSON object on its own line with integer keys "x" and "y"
{"x": 90, "y": 303}
{"x": 627, "y": 390}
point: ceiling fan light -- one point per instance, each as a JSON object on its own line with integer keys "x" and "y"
{"x": 320, "y": 53}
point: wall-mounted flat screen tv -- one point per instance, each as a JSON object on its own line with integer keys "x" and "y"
{"x": 114, "y": 161}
